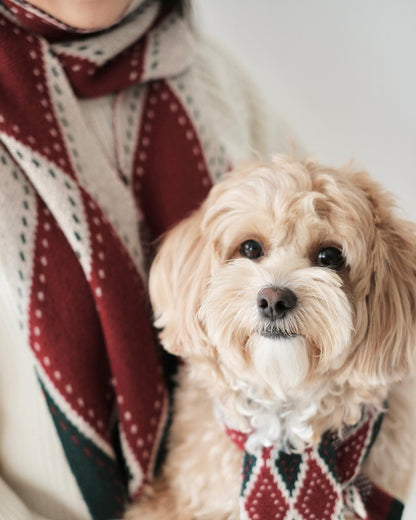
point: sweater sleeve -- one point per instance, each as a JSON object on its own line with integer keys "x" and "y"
{"x": 12, "y": 508}
{"x": 36, "y": 482}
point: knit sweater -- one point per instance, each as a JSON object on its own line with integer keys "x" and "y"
{"x": 36, "y": 482}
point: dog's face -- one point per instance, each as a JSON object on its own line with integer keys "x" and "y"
{"x": 290, "y": 274}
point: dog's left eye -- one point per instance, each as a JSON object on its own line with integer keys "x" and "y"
{"x": 251, "y": 249}
{"x": 330, "y": 257}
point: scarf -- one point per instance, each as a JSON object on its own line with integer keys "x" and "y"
{"x": 322, "y": 482}
{"x": 72, "y": 224}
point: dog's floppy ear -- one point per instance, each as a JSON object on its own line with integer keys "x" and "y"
{"x": 178, "y": 277}
{"x": 187, "y": 258}
{"x": 388, "y": 348}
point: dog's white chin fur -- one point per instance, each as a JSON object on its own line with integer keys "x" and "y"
{"x": 282, "y": 364}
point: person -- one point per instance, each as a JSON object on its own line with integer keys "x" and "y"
{"x": 115, "y": 119}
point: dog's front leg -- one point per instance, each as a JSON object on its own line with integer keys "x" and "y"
{"x": 158, "y": 502}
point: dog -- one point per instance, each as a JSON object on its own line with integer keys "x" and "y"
{"x": 291, "y": 296}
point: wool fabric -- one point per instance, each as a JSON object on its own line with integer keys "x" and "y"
{"x": 74, "y": 225}
{"x": 321, "y": 482}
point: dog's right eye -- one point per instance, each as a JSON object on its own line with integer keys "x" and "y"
{"x": 251, "y": 249}
{"x": 330, "y": 257}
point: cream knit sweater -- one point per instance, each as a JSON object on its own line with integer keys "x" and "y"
{"x": 35, "y": 480}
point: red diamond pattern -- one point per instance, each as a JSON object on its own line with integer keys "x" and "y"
{"x": 265, "y": 499}
{"x": 324, "y": 489}
{"x": 319, "y": 496}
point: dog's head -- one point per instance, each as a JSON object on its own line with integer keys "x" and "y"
{"x": 288, "y": 274}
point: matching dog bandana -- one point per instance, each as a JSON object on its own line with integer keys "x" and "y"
{"x": 320, "y": 483}
{"x": 71, "y": 223}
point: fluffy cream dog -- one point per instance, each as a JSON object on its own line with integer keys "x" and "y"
{"x": 291, "y": 295}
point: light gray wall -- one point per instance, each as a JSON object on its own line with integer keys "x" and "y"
{"x": 342, "y": 73}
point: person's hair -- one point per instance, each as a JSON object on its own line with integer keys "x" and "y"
{"x": 181, "y": 6}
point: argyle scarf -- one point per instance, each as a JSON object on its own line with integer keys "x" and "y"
{"x": 319, "y": 483}
{"x": 71, "y": 224}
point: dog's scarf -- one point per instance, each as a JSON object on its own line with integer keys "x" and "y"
{"x": 319, "y": 483}
{"x": 71, "y": 253}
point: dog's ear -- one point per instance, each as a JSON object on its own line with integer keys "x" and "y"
{"x": 178, "y": 277}
{"x": 188, "y": 256}
{"x": 387, "y": 351}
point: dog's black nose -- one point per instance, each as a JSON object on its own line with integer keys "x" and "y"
{"x": 274, "y": 303}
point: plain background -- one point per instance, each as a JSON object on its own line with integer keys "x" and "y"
{"x": 343, "y": 74}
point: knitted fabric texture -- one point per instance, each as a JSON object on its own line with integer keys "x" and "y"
{"x": 321, "y": 483}
{"x": 71, "y": 224}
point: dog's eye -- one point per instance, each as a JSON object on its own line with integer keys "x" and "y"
{"x": 251, "y": 249}
{"x": 330, "y": 257}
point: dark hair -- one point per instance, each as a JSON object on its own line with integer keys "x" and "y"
{"x": 181, "y": 6}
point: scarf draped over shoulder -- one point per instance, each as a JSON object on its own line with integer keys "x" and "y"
{"x": 72, "y": 223}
